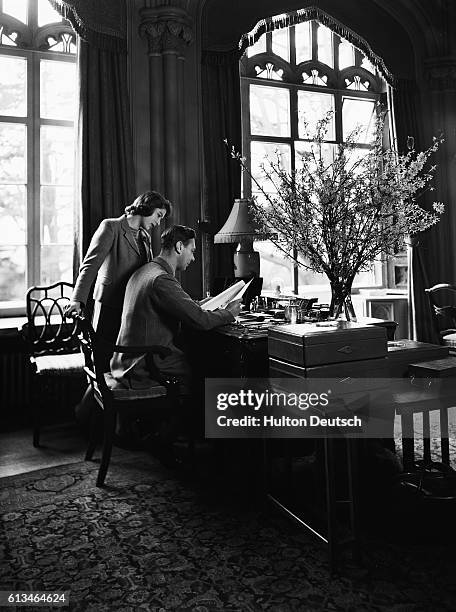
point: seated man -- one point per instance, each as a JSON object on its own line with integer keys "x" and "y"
{"x": 154, "y": 307}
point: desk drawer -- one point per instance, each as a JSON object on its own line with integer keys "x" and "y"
{"x": 369, "y": 368}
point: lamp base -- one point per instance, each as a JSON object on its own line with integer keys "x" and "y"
{"x": 246, "y": 264}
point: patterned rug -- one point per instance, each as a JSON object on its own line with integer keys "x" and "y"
{"x": 152, "y": 540}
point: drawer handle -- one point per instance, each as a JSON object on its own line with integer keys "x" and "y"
{"x": 345, "y": 349}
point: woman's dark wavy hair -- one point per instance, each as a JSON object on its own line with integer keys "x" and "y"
{"x": 174, "y": 234}
{"x": 147, "y": 202}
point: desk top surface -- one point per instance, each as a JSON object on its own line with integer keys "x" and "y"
{"x": 256, "y": 325}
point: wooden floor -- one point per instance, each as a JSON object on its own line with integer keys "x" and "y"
{"x": 61, "y": 444}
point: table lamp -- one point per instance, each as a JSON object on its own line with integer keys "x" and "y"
{"x": 241, "y": 228}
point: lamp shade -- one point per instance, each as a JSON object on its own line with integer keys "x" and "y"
{"x": 240, "y": 226}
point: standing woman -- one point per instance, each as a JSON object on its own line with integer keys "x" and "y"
{"x": 118, "y": 248}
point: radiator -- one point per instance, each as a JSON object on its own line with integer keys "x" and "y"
{"x": 15, "y": 382}
{"x": 18, "y": 393}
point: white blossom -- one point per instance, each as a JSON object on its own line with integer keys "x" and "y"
{"x": 342, "y": 214}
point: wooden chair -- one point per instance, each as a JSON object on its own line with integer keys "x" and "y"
{"x": 442, "y": 301}
{"x": 52, "y": 344}
{"x": 432, "y": 388}
{"x": 159, "y": 400}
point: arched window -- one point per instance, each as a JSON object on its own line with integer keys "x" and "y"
{"x": 291, "y": 75}
{"x": 37, "y": 143}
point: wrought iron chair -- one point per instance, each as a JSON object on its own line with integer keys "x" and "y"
{"x": 159, "y": 401}
{"x": 442, "y": 301}
{"x": 52, "y": 344}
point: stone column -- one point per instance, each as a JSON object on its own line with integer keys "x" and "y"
{"x": 168, "y": 30}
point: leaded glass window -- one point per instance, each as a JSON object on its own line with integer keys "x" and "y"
{"x": 37, "y": 143}
{"x": 291, "y": 77}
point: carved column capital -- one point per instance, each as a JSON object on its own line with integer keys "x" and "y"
{"x": 167, "y": 29}
{"x": 441, "y": 73}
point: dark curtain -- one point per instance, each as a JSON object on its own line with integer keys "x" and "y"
{"x": 221, "y": 120}
{"x": 407, "y": 114}
{"x": 420, "y": 318}
{"x": 105, "y": 150}
{"x": 107, "y": 173}
{"x": 407, "y": 118}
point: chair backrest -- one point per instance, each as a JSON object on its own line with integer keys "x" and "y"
{"x": 442, "y": 302}
{"x": 48, "y": 330}
{"x": 94, "y": 358}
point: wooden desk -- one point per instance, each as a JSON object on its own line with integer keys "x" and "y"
{"x": 242, "y": 352}
{"x": 233, "y": 351}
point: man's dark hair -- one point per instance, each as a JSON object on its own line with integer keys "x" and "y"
{"x": 147, "y": 202}
{"x": 174, "y": 234}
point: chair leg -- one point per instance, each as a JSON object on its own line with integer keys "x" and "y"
{"x": 444, "y": 437}
{"x": 93, "y": 430}
{"x": 110, "y": 416}
{"x": 408, "y": 441}
{"x": 426, "y": 438}
{"x": 38, "y": 393}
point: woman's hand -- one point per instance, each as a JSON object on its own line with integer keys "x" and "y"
{"x": 73, "y": 308}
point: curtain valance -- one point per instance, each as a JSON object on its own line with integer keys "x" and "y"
{"x": 306, "y": 14}
{"x": 101, "y": 23}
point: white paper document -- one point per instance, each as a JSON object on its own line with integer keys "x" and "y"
{"x": 235, "y": 292}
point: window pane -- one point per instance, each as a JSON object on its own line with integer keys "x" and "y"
{"x": 264, "y": 153}
{"x": 370, "y": 277}
{"x": 12, "y": 153}
{"x": 56, "y": 215}
{"x": 258, "y": 47}
{"x": 12, "y": 214}
{"x": 312, "y": 107}
{"x": 355, "y": 159}
{"x": 269, "y": 111}
{"x": 58, "y": 87}
{"x": 46, "y": 14}
{"x": 346, "y": 55}
{"x": 13, "y": 86}
{"x": 56, "y": 264}
{"x": 16, "y": 8}
{"x": 280, "y": 45}
{"x": 275, "y": 269}
{"x": 12, "y": 273}
{"x": 359, "y": 113}
{"x": 308, "y": 277}
{"x": 312, "y": 153}
{"x": 367, "y": 65}
{"x": 303, "y": 42}
{"x": 57, "y": 155}
{"x": 325, "y": 45}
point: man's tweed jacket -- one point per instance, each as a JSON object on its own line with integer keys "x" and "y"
{"x": 155, "y": 305}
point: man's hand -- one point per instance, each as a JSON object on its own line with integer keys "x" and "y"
{"x": 206, "y": 299}
{"x": 72, "y": 308}
{"x": 234, "y": 307}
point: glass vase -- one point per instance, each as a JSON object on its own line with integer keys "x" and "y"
{"x": 341, "y": 302}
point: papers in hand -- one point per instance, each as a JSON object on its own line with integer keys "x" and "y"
{"x": 235, "y": 292}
